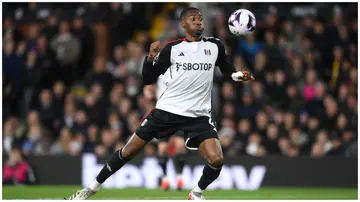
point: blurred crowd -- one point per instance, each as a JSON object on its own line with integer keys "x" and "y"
{"x": 59, "y": 97}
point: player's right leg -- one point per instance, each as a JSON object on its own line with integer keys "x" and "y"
{"x": 117, "y": 160}
{"x": 149, "y": 128}
{"x": 163, "y": 159}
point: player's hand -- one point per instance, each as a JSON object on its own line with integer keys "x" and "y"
{"x": 242, "y": 76}
{"x": 155, "y": 47}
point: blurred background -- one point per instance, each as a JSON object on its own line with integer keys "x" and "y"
{"x": 72, "y": 79}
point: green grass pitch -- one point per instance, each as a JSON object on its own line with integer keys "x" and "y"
{"x": 58, "y": 192}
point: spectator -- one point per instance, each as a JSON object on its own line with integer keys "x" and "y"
{"x": 296, "y": 70}
{"x": 254, "y": 148}
{"x": 271, "y": 48}
{"x": 97, "y": 91}
{"x": 46, "y": 62}
{"x": 316, "y": 106}
{"x": 16, "y": 170}
{"x": 336, "y": 74}
{"x": 67, "y": 50}
{"x": 247, "y": 109}
{"x": 81, "y": 123}
{"x": 68, "y": 119}
{"x": 293, "y": 101}
{"x": 125, "y": 107}
{"x": 116, "y": 94}
{"x": 278, "y": 89}
{"x": 297, "y": 137}
{"x": 115, "y": 126}
{"x": 46, "y": 108}
{"x": 261, "y": 123}
{"x": 228, "y": 92}
{"x": 133, "y": 121}
{"x": 62, "y": 145}
{"x": 76, "y": 145}
{"x": 260, "y": 66}
{"x": 244, "y": 129}
{"x": 99, "y": 75}
{"x": 132, "y": 86}
{"x": 107, "y": 144}
{"x": 144, "y": 40}
{"x": 117, "y": 66}
{"x": 50, "y": 29}
{"x": 309, "y": 88}
{"x": 38, "y": 137}
{"x": 11, "y": 32}
{"x": 12, "y": 134}
{"x": 33, "y": 75}
{"x": 313, "y": 126}
{"x": 117, "y": 20}
{"x": 95, "y": 110}
{"x": 33, "y": 31}
{"x": 135, "y": 60}
{"x": 87, "y": 46}
{"x": 229, "y": 110}
{"x": 331, "y": 113}
{"x": 260, "y": 97}
{"x": 284, "y": 145}
{"x": 92, "y": 139}
{"x": 58, "y": 92}
{"x": 293, "y": 151}
{"x": 272, "y": 134}
{"x": 226, "y": 136}
{"x": 12, "y": 78}
{"x": 249, "y": 48}
{"x": 317, "y": 150}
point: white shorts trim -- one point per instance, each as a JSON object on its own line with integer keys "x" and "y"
{"x": 190, "y": 148}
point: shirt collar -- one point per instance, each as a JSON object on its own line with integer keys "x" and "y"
{"x": 201, "y": 38}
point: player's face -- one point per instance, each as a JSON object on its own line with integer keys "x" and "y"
{"x": 193, "y": 23}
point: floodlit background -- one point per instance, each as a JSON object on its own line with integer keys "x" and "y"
{"x": 72, "y": 90}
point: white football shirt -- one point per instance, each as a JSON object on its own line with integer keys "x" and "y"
{"x": 186, "y": 71}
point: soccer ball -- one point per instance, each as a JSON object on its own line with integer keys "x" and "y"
{"x": 242, "y": 22}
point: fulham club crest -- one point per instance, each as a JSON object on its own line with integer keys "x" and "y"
{"x": 207, "y": 51}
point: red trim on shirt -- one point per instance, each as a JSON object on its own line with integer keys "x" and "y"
{"x": 148, "y": 114}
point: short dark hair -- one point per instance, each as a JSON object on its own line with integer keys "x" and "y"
{"x": 186, "y": 10}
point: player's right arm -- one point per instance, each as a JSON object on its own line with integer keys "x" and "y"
{"x": 156, "y": 63}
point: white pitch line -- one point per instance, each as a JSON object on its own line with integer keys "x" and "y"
{"x": 179, "y": 198}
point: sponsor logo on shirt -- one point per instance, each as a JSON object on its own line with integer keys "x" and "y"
{"x": 194, "y": 66}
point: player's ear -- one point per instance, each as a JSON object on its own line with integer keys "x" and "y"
{"x": 182, "y": 23}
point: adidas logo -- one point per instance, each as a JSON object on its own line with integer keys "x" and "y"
{"x": 181, "y": 54}
{"x": 108, "y": 167}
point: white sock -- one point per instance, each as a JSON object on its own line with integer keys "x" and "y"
{"x": 197, "y": 189}
{"x": 178, "y": 176}
{"x": 95, "y": 186}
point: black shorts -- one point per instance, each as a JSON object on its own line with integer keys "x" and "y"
{"x": 161, "y": 124}
{"x": 178, "y": 133}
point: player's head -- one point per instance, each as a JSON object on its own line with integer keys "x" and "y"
{"x": 192, "y": 21}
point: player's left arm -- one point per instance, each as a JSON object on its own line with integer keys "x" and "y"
{"x": 227, "y": 68}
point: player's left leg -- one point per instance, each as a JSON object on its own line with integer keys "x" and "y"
{"x": 211, "y": 150}
{"x": 208, "y": 144}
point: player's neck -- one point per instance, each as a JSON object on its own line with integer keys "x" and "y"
{"x": 190, "y": 38}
